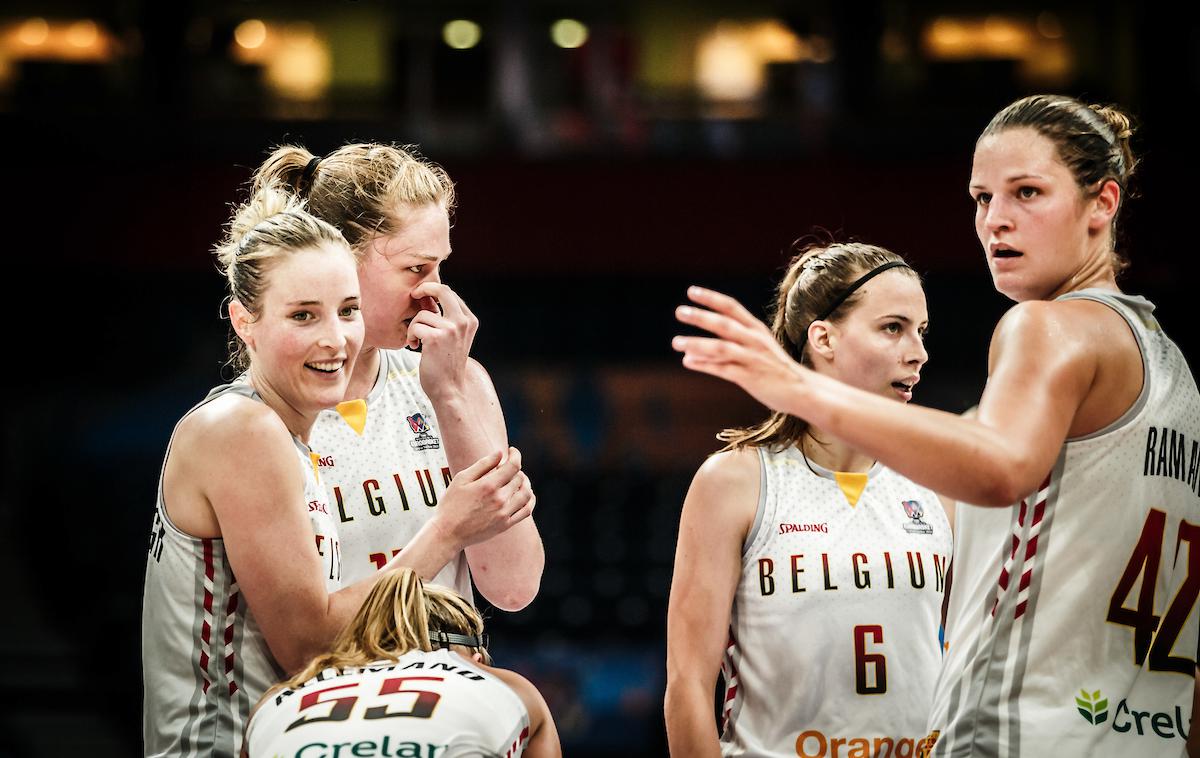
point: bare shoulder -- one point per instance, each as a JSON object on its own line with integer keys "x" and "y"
{"x": 724, "y": 494}
{"x": 519, "y": 684}
{"x": 232, "y": 426}
{"x": 539, "y": 712}
{"x": 729, "y": 470}
{"x": 1060, "y": 331}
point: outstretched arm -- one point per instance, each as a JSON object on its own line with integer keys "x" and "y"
{"x": 1041, "y": 370}
{"x": 507, "y": 568}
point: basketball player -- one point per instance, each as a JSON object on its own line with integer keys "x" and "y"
{"x": 807, "y": 572}
{"x": 243, "y": 573}
{"x": 1072, "y": 627}
{"x": 407, "y": 677}
{"x": 411, "y": 419}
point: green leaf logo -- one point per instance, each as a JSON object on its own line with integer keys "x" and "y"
{"x": 1093, "y": 706}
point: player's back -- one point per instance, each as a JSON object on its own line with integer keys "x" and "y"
{"x": 426, "y": 705}
{"x": 1072, "y": 626}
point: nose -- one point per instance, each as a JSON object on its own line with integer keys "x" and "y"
{"x": 998, "y": 215}
{"x": 916, "y": 356}
{"x": 333, "y": 335}
{"x": 435, "y": 274}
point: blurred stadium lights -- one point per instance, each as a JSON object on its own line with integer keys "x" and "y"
{"x": 250, "y": 34}
{"x": 74, "y": 41}
{"x": 461, "y": 34}
{"x": 295, "y": 58}
{"x": 568, "y": 33}
{"x": 1043, "y": 57}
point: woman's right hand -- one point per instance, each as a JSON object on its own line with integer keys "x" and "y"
{"x": 485, "y": 499}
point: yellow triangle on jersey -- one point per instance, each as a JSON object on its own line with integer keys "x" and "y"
{"x": 354, "y": 413}
{"x": 852, "y": 483}
{"x": 315, "y": 462}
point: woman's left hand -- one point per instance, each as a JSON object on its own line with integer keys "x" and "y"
{"x": 743, "y": 351}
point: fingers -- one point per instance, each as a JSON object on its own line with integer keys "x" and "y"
{"x": 505, "y": 471}
{"x": 721, "y": 325}
{"x": 452, "y": 305}
{"x": 425, "y": 325}
{"x": 712, "y": 349}
{"x": 523, "y": 512}
{"x": 722, "y": 304}
{"x": 480, "y": 467}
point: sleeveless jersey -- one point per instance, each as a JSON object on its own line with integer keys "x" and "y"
{"x": 204, "y": 659}
{"x": 385, "y": 468}
{"x": 833, "y": 646}
{"x": 426, "y": 705}
{"x": 1072, "y": 626}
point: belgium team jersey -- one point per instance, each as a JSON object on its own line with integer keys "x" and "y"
{"x": 833, "y": 646}
{"x": 384, "y": 467}
{"x": 204, "y": 659}
{"x": 1072, "y": 627}
{"x": 425, "y": 705}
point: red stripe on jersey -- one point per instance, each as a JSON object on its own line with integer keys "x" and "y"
{"x": 209, "y": 570}
{"x": 1031, "y": 548}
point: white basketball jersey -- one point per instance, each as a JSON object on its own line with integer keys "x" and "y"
{"x": 833, "y": 645}
{"x": 1072, "y": 626}
{"x": 426, "y": 705}
{"x": 385, "y": 469}
{"x": 204, "y": 660}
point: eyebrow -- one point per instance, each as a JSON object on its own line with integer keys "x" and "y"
{"x": 898, "y": 317}
{"x": 1011, "y": 179}
{"x": 414, "y": 254}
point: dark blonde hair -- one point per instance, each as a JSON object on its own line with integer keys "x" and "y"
{"x": 1092, "y": 141}
{"x": 363, "y": 189}
{"x": 816, "y": 277}
{"x": 397, "y": 617}
{"x": 272, "y": 223}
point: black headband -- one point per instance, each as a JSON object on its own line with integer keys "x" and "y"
{"x": 446, "y": 639}
{"x": 310, "y": 170}
{"x": 837, "y": 301}
{"x": 859, "y": 282}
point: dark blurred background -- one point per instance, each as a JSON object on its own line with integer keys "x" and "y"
{"x": 607, "y": 154}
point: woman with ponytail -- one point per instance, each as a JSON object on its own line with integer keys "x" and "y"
{"x": 418, "y": 409}
{"x": 409, "y": 675}
{"x": 1073, "y": 623}
{"x": 808, "y": 574}
{"x": 243, "y": 578}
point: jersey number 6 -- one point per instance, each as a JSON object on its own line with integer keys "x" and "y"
{"x": 863, "y": 660}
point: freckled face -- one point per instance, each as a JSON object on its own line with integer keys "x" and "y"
{"x": 308, "y": 330}
{"x": 394, "y": 266}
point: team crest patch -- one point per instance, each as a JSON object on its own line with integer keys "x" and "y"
{"x": 424, "y": 439}
{"x": 915, "y": 525}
